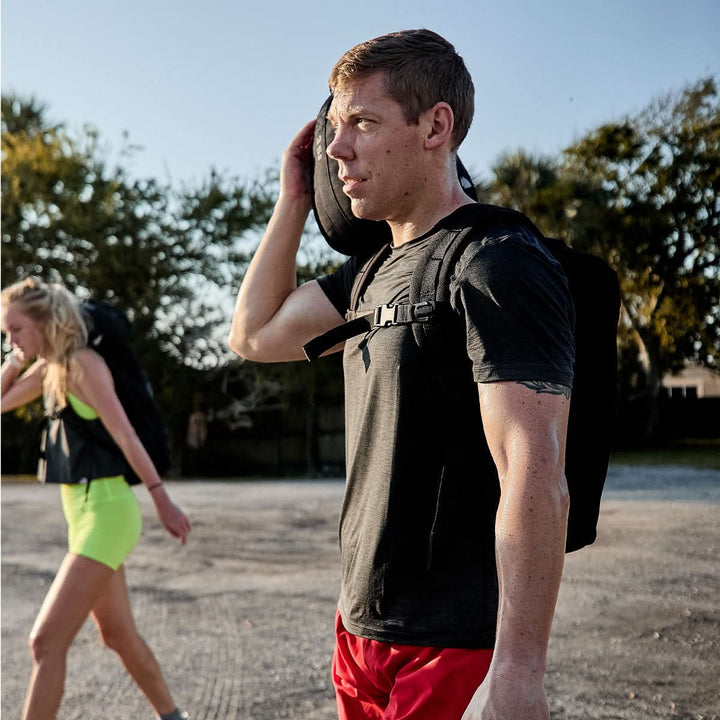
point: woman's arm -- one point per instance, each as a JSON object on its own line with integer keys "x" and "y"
{"x": 90, "y": 379}
{"x": 20, "y": 388}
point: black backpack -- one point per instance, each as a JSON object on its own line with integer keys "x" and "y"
{"x": 595, "y": 291}
{"x": 109, "y": 335}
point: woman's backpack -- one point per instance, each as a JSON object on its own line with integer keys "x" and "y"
{"x": 88, "y": 443}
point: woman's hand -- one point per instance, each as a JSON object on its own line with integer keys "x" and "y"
{"x": 16, "y": 358}
{"x": 171, "y": 516}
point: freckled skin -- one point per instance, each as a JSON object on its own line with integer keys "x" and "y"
{"x": 376, "y": 146}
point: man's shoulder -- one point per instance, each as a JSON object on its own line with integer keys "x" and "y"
{"x": 475, "y": 215}
{"x": 475, "y": 226}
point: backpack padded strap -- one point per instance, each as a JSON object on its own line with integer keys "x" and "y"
{"x": 426, "y": 283}
{"x": 429, "y": 286}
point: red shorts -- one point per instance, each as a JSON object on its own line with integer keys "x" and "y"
{"x": 384, "y": 681}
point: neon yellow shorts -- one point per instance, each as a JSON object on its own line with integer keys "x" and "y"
{"x": 104, "y": 521}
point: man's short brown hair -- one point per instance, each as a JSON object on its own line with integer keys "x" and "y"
{"x": 420, "y": 67}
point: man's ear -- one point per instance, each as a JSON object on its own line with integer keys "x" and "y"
{"x": 438, "y": 122}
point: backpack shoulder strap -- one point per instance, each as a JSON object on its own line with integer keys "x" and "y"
{"x": 356, "y": 323}
{"x": 430, "y": 281}
{"x": 362, "y": 279}
{"x": 429, "y": 286}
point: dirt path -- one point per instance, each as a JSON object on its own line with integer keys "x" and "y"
{"x": 241, "y": 618}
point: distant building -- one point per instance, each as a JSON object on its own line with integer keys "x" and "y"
{"x": 693, "y": 382}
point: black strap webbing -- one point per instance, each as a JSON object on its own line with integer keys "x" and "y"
{"x": 317, "y": 346}
{"x": 382, "y": 316}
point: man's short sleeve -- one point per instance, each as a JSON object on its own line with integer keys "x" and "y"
{"x": 518, "y": 312}
{"x": 338, "y": 284}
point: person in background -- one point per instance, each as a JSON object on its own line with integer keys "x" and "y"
{"x": 44, "y": 326}
{"x": 196, "y": 435}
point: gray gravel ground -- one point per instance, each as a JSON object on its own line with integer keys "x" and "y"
{"x": 241, "y": 618}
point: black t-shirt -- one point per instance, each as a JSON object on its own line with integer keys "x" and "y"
{"x": 417, "y": 523}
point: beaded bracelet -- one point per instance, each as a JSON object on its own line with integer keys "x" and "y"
{"x": 154, "y": 487}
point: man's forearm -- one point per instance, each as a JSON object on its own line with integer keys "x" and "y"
{"x": 530, "y": 547}
{"x": 271, "y": 275}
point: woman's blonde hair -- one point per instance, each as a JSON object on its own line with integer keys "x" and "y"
{"x": 64, "y": 331}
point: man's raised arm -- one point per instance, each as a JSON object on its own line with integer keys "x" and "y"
{"x": 274, "y": 317}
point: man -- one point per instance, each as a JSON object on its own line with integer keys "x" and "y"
{"x": 449, "y": 578}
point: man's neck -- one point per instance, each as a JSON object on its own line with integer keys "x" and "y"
{"x": 427, "y": 217}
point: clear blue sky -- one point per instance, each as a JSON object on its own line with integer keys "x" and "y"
{"x": 226, "y": 83}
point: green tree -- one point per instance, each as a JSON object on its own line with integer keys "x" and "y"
{"x": 648, "y": 190}
{"x": 535, "y": 186}
{"x": 287, "y": 390}
{"x": 158, "y": 253}
{"x": 643, "y": 194}
{"x": 168, "y": 258}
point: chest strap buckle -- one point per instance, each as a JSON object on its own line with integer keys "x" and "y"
{"x": 390, "y": 314}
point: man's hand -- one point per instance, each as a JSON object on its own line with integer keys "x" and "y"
{"x": 508, "y": 697}
{"x": 295, "y": 176}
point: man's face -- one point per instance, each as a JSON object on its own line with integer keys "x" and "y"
{"x": 378, "y": 153}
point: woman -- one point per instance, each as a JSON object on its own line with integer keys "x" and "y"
{"x": 43, "y": 324}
